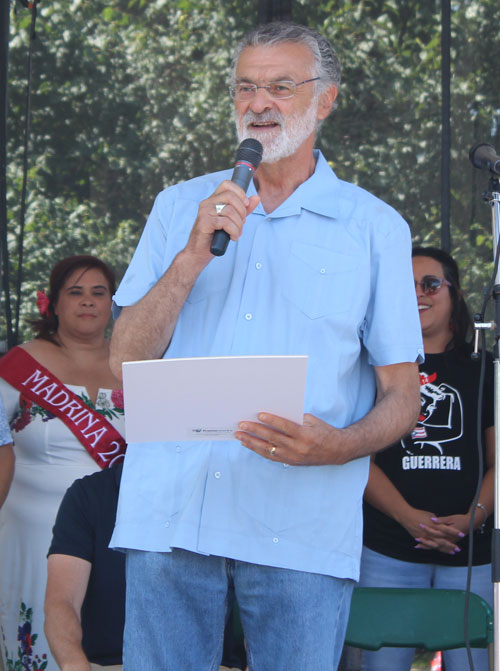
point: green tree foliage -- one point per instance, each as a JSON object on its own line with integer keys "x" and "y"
{"x": 386, "y": 135}
{"x": 131, "y": 95}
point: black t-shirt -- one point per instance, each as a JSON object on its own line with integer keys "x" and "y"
{"x": 436, "y": 467}
{"x": 83, "y": 529}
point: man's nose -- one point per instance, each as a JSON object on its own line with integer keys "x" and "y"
{"x": 261, "y": 101}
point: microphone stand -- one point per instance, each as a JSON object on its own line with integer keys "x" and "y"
{"x": 493, "y": 197}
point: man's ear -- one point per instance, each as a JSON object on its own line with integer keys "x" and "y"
{"x": 326, "y": 100}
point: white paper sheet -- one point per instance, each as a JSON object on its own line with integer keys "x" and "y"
{"x": 205, "y": 398}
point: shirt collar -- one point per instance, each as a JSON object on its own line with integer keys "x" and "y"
{"x": 316, "y": 194}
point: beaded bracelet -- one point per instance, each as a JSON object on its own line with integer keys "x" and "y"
{"x": 485, "y": 513}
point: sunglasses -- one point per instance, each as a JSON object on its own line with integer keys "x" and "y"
{"x": 430, "y": 284}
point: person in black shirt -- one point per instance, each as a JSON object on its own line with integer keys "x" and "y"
{"x": 420, "y": 492}
{"x": 85, "y": 598}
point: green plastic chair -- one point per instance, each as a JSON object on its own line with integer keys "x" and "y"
{"x": 432, "y": 619}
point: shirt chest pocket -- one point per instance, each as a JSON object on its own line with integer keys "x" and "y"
{"x": 320, "y": 282}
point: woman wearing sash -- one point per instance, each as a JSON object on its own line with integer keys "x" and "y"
{"x": 66, "y": 413}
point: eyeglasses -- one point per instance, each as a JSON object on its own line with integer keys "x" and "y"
{"x": 430, "y": 284}
{"x": 280, "y": 90}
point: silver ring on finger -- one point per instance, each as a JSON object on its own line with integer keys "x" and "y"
{"x": 219, "y": 207}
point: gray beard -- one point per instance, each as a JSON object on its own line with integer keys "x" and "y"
{"x": 283, "y": 141}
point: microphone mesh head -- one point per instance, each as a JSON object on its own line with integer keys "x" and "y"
{"x": 250, "y": 151}
{"x": 484, "y": 157}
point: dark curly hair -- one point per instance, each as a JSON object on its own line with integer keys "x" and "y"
{"x": 461, "y": 321}
{"x": 46, "y": 326}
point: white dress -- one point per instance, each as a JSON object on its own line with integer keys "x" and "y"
{"x": 48, "y": 459}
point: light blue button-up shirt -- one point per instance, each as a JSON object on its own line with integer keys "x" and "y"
{"x": 327, "y": 274}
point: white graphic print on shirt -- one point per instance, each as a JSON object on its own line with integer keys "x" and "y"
{"x": 440, "y": 423}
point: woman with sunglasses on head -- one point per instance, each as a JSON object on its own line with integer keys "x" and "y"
{"x": 420, "y": 492}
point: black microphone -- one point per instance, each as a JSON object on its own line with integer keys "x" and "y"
{"x": 248, "y": 157}
{"x": 484, "y": 157}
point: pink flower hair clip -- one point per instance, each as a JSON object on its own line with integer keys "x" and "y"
{"x": 42, "y": 300}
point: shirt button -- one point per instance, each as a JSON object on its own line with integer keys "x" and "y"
{"x": 275, "y": 540}
{"x": 217, "y": 474}
{"x": 248, "y": 316}
{"x": 177, "y": 448}
{"x": 322, "y": 271}
{"x": 167, "y": 524}
{"x": 258, "y": 265}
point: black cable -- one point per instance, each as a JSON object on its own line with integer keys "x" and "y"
{"x": 22, "y": 216}
{"x": 475, "y": 500}
{"x": 479, "y": 440}
{"x": 445, "y": 123}
{"x": 4, "y": 247}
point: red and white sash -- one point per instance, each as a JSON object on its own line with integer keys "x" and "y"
{"x": 98, "y": 436}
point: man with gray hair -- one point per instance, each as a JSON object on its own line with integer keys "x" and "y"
{"x": 317, "y": 266}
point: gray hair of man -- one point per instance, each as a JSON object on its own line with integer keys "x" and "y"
{"x": 327, "y": 65}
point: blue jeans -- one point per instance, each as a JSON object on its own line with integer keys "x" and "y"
{"x": 378, "y": 570}
{"x": 177, "y": 602}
